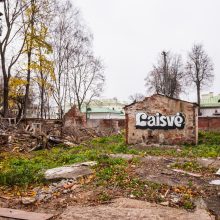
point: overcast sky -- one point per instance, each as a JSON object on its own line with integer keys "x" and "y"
{"x": 129, "y": 35}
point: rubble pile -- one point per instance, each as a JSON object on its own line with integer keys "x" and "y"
{"x": 67, "y": 181}
{"x": 34, "y": 133}
{"x": 42, "y": 134}
{"x": 44, "y": 194}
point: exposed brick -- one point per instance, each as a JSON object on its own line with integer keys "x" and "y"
{"x": 165, "y": 106}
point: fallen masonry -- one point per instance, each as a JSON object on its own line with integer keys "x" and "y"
{"x": 44, "y": 194}
{"x": 70, "y": 172}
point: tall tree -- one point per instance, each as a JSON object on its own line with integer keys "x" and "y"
{"x": 87, "y": 78}
{"x": 199, "y": 69}
{"x": 65, "y": 33}
{"x": 78, "y": 74}
{"x": 167, "y": 76}
{"x": 37, "y": 17}
{"x": 11, "y": 33}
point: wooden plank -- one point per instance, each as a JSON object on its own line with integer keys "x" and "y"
{"x": 23, "y": 215}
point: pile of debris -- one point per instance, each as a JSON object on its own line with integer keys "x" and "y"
{"x": 68, "y": 181}
{"x": 38, "y": 134}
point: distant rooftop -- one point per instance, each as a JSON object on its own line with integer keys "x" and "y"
{"x": 102, "y": 110}
{"x": 210, "y": 100}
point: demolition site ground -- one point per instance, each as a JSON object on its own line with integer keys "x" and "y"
{"x": 171, "y": 176}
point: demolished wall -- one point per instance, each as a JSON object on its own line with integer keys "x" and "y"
{"x": 74, "y": 118}
{"x": 160, "y": 119}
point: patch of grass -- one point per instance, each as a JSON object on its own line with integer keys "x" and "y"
{"x": 26, "y": 169}
{"x": 22, "y": 170}
{"x": 208, "y": 146}
{"x": 208, "y": 137}
{"x": 117, "y": 174}
{"x": 104, "y": 197}
{"x": 111, "y": 171}
{"x": 192, "y": 166}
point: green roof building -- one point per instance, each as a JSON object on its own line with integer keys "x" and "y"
{"x": 210, "y": 104}
{"x": 103, "y": 113}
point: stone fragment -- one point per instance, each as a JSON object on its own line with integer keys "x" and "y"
{"x": 174, "y": 198}
{"x": 215, "y": 182}
{"x": 218, "y": 172}
{"x": 70, "y": 172}
{"x": 166, "y": 203}
{"x": 28, "y": 200}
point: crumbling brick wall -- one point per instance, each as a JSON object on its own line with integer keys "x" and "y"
{"x": 209, "y": 123}
{"x": 74, "y": 118}
{"x": 154, "y": 131}
{"x": 48, "y": 126}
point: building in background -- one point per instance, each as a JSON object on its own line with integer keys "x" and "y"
{"x": 105, "y": 109}
{"x": 210, "y": 105}
{"x": 104, "y": 113}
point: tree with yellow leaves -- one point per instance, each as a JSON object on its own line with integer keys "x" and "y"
{"x": 43, "y": 68}
{"x": 37, "y": 48}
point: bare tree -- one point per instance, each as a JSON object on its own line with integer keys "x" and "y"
{"x": 136, "y": 97}
{"x": 78, "y": 74}
{"x": 167, "y": 76}
{"x": 87, "y": 78}
{"x": 66, "y": 39}
{"x": 8, "y": 52}
{"x": 199, "y": 69}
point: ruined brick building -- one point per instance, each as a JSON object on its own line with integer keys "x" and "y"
{"x": 160, "y": 119}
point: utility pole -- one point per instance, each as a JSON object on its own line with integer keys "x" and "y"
{"x": 165, "y": 76}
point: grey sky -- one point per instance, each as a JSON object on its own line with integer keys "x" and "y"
{"x": 129, "y": 35}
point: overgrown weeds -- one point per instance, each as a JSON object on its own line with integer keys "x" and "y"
{"x": 25, "y": 169}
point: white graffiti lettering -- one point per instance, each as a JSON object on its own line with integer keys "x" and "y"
{"x": 159, "y": 121}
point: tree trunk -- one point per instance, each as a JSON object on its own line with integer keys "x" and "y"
{"x": 29, "y": 54}
{"x": 5, "y": 84}
{"x": 198, "y": 98}
{"x": 28, "y": 84}
{"x": 19, "y": 111}
{"x": 42, "y": 101}
{"x": 5, "y": 95}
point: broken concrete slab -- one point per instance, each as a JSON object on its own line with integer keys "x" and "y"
{"x": 70, "y": 172}
{"x": 23, "y": 215}
{"x": 28, "y": 200}
{"x": 127, "y": 209}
